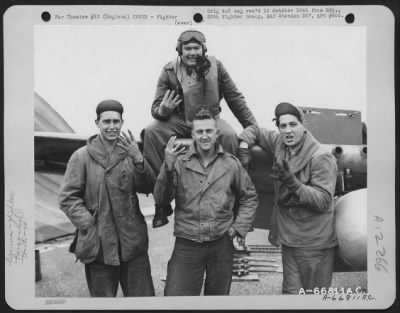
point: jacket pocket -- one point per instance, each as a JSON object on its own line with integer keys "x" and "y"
{"x": 87, "y": 244}
{"x": 223, "y": 203}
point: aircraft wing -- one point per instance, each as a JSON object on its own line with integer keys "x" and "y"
{"x": 55, "y": 149}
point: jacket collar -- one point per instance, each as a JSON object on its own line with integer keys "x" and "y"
{"x": 192, "y": 158}
{"x": 99, "y": 153}
{"x": 192, "y": 150}
{"x": 192, "y": 163}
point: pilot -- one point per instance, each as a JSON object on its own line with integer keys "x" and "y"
{"x": 215, "y": 201}
{"x": 98, "y": 194}
{"x": 191, "y": 81}
{"x": 304, "y": 176}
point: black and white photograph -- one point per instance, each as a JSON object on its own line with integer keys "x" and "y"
{"x": 231, "y": 152}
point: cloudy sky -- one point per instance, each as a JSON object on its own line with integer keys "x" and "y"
{"x": 76, "y": 67}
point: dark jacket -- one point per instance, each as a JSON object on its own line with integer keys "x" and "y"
{"x": 99, "y": 197}
{"x": 303, "y": 216}
{"x": 205, "y": 203}
{"x": 227, "y": 89}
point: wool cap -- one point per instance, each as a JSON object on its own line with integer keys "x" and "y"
{"x": 287, "y": 108}
{"x": 109, "y": 105}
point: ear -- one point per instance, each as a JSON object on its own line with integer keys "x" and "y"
{"x": 96, "y": 122}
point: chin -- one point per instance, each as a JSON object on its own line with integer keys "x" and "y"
{"x": 190, "y": 63}
{"x": 292, "y": 144}
{"x": 205, "y": 147}
{"x": 111, "y": 138}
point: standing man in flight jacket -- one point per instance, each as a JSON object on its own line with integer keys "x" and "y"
{"x": 215, "y": 202}
{"x": 304, "y": 176}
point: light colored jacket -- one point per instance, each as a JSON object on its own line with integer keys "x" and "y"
{"x": 304, "y": 216}
{"x": 98, "y": 194}
{"x": 207, "y": 204}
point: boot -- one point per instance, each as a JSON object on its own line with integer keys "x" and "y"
{"x": 160, "y": 216}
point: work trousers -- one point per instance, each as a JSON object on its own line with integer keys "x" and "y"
{"x": 307, "y": 269}
{"x": 156, "y": 135}
{"x": 134, "y": 277}
{"x": 191, "y": 260}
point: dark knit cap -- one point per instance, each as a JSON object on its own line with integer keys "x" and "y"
{"x": 287, "y": 108}
{"x": 109, "y": 105}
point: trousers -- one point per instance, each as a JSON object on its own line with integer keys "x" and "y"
{"x": 156, "y": 135}
{"x": 134, "y": 277}
{"x": 192, "y": 261}
{"x": 307, "y": 269}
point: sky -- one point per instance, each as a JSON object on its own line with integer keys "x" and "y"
{"x": 76, "y": 67}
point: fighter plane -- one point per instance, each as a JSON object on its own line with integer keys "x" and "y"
{"x": 340, "y": 130}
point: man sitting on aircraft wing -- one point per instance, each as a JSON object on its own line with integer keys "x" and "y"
{"x": 98, "y": 195}
{"x": 304, "y": 175}
{"x": 188, "y": 83}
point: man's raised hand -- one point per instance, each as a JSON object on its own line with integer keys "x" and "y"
{"x": 169, "y": 102}
{"x": 129, "y": 144}
{"x": 172, "y": 150}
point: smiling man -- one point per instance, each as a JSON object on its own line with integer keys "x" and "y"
{"x": 98, "y": 194}
{"x": 304, "y": 176}
{"x": 187, "y": 84}
{"x": 215, "y": 201}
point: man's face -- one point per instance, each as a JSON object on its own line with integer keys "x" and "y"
{"x": 109, "y": 124}
{"x": 205, "y": 134}
{"x": 190, "y": 52}
{"x": 291, "y": 129}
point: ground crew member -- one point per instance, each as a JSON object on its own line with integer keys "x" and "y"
{"x": 190, "y": 82}
{"x": 215, "y": 201}
{"x": 98, "y": 194}
{"x": 304, "y": 176}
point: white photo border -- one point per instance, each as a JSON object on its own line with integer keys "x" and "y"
{"x": 19, "y": 23}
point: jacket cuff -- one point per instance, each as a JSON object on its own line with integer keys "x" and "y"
{"x": 293, "y": 185}
{"x": 139, "y": 166}
{"x": 244, "y": 137}
{"x": 156, "y": 114}
{"x": 240, "y": 231}
{"x": 87, "y": 225}
{"x": 164, "y": 113}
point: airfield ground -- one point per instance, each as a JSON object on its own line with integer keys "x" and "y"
{"x": 63, "y": 277}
